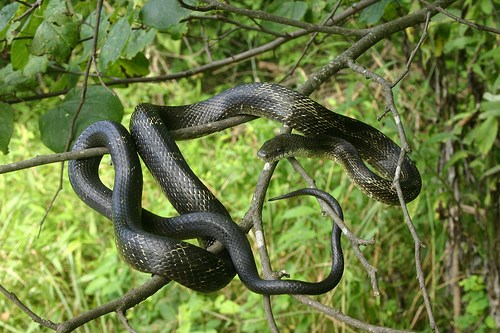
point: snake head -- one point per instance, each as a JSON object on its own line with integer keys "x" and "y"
{"x": 276, "y": 148}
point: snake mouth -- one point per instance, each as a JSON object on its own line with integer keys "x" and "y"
{"x": 263, "y": 156}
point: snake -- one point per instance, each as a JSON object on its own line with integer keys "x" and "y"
{"x": 153, "y": 244}
{"x": 346, "y": 140}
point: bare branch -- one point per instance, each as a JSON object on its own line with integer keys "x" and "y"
{"x": 122, "y": 303}
{"x": 14, "y": 299}
{"x": 32, "y": 8}
{"x": 52, "y": 158}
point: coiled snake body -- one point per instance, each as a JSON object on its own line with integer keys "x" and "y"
{"x": 140, "y": 234}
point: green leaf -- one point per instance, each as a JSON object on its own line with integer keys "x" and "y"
{"x": 35, "y": 64}
{"x": 19, "y": 53}
{"x": 459, "y": 43}
{"x": 486, "y": 6}
{"x": 138, "y": 66}
{"x": 20, "y": 48}
{"x": 57, "y": 34}
{"x": 484, "y": 135}
{"x": 6, "y": 126}
{"x": 87, "y": 32}
{"x": 227, "y": 306}
{"x": 374, "y": 13}
{"x": 11, "y": 32}
{"x": 55, "y": 124}
{"x": 12, "y": 81}
{"x": 490, "y": 322}
{"x": 477, "y": 305}
{"x": 441, "y": 137}
{"x": 114, "y": 44}
{"x": 162, "y": 14}
{"x": 298, "y": 211}
{"x": 138, "y": 41}
{"x": 455, "y": 158}
{"x": 491, "y": 171}
{"x": 6, "y": 14}
{"x": 295, "y": 10}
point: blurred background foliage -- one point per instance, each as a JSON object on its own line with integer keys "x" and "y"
{"x": 449, "y": 102}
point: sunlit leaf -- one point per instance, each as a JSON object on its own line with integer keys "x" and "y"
{"x": 56, "y": 36}
{"x": 114, "y": 44}
{"x": 35, "y": 64}
{"x": 6, "y": 14}
{"x": 138, "y": 41}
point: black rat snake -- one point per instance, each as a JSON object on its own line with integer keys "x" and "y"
{"x": 138, "y": 236}
{"x": 150, "y": 243}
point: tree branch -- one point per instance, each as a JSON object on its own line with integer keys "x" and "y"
{"x": 375, "y": 35}
{"x": 52, "y": 158}
{"x": 261, "y": 15}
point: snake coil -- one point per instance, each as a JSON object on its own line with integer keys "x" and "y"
{"x": 141, "y": 236}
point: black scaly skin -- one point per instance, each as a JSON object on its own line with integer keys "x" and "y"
{"x": 191, "y": 266}
{"x": 185, "y": 191}
{"x": 308, "y": 117}
{"x": 144, "y": 251}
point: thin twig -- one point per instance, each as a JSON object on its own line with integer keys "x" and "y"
{"x": 413, "y": 52}
{"x": 309, "y": 43}
{"x": 220, "y": 18}
{"x": 124, "y": 321}
{"x": 477, "y": 26}
{"x": 338, "y": 315}
{"x": 32, "y": 8}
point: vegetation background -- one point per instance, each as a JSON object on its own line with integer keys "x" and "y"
{"x": 158, "y": 52}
